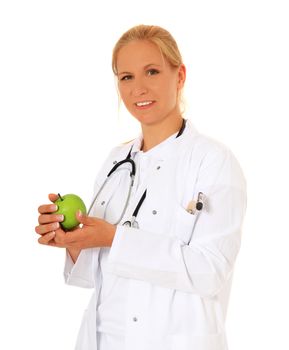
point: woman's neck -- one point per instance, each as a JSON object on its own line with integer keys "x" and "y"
{"x": 157, "y": 133}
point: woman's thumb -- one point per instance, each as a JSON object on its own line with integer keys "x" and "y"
{"x": 52, "y": 197}
{"x": 83, "y": 219}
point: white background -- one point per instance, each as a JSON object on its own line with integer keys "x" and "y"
{"x": 59, "y": 119}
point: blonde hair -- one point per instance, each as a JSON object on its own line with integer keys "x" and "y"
{"x": 158, "y": 36}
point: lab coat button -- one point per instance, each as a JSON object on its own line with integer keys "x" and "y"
{"x": 103, "y": 202}
{"x": 135, "y": 319}
{"x": 114, "y": 162}
{"x": 154, "y": 212}
{"x": 158, "y": 167}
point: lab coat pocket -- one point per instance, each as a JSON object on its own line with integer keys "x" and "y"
{"x": 86, "y": 338}
{"x": 183, "y": 224}
{"x": 199, "y": 342}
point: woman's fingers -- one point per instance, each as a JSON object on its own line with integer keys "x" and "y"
{"x": 48, "y": 218}
{"x": 47, "y": 208}
{"x": 44, "y": 229}
{"x": 45, "y": 239}
{"x": 53, "y": 197}
{"x": 57, "y": 238}
{"x": 48, "y": 222}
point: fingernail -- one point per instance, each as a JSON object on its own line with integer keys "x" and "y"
{"x": 52, "y": 234}
{"x": 60, "y": 217}
{"x": 55, "y": 225}
{"x": 54, "y": 207}
{"x": 79, "y": 213}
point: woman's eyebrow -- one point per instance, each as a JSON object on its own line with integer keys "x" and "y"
{"x": 146, "y": 66}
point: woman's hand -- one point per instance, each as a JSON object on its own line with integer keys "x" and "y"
{"x": 94, "y": 232}
{"x": 48, "y": 222}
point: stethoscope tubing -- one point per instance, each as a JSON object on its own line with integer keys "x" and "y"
{"x": 127, "y": 160}
{"x": 105, "y": 182}
{"x": 132, "y": 222}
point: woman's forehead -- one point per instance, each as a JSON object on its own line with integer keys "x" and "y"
{"x": 139, "y": 53}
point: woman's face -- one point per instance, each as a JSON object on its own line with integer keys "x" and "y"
{"x": 144, "y": 76}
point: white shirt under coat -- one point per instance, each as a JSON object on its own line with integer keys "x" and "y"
{"x": 166, "y": 285}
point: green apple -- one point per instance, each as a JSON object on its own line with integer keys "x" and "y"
{"x": 68, "y": 205}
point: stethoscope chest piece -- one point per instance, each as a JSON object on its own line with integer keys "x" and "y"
{"x": 132, "y": 223}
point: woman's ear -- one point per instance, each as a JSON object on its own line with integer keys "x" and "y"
{"x": 181, "y": 76}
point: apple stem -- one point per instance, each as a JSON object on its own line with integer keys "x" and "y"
{"x": 60, "y": 196}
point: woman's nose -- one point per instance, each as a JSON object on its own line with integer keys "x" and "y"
{"x": 139, "y": 89}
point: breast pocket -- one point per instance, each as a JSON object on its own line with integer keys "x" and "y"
{"x": 183, "y": 224}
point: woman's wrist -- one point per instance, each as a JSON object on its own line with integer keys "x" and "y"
{"x": 111, "y": 234}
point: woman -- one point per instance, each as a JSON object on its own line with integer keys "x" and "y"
{"x": 162, "y": 280}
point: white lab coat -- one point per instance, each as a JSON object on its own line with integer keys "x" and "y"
{"x": 179, "y": 265}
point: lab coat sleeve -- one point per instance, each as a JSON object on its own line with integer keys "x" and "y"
{"x": 203, "y": 263}
{"x": 83, "y": 272}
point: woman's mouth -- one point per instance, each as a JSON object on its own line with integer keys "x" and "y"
{"x": 144, "y": 104}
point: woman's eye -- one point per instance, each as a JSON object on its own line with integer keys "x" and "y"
{"x": 151, "y": 71}
{"x": 126, "y": 76}
{"x": 154, "y": 71}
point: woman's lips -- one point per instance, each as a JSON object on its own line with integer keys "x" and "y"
{"x": 145, "y": 106}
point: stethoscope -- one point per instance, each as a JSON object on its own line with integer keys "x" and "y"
{"x": 131, "y": 223}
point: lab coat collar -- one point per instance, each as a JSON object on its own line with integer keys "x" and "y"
{"x": 161, "y": 150}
